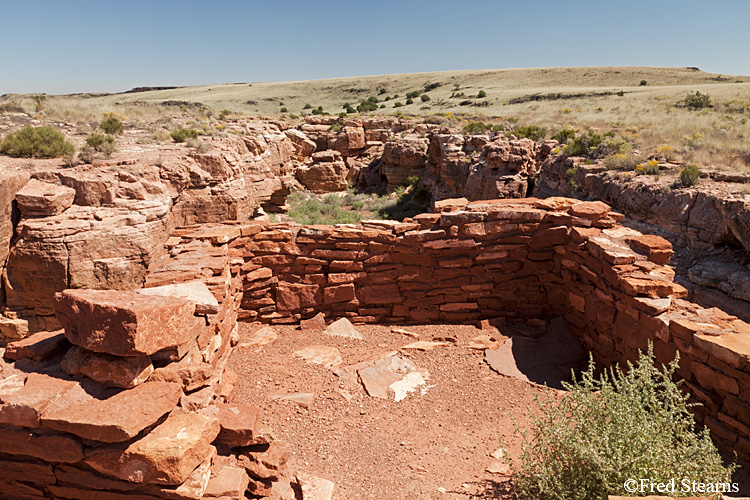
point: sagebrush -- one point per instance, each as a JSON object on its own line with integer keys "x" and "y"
{"x": 606, "y": 430}
{"x": 36, "y": 142}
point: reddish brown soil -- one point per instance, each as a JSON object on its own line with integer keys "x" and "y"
{"x": 372, "y": 448}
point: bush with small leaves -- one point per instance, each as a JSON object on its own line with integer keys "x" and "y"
{"x": 564, "y": 135}
{"x": 307, "y": 106}
{"x": 482, "y": 94}
{"x": 533, "y": 132}
{"x": 397, "y": 105}
{"x": 651, "y": 167}
{"x": 182, "y": 134}
{"x": 98, "y": 141}
{"x": 283, "y": 110}
{"x": 424, "y": 97}
{"x": 690, "y": 174}
{"x": 112, "y": 124}
{"x": 695, "y": 101}
{"x": 476, "y": 128}
{"x": 412, "y": 95}
{"x": 623, "y": 424}
{"x": 643, "y": 83}
{"x": 382, "y": 91}
{"x": 409, "y": 101}
{"x": 36, "y": 142}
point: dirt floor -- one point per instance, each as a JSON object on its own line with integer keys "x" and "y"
{"x": 434, "y": 444}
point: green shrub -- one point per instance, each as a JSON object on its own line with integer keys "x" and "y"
{"x": 306, "y": 209}
{"x": 690, "y": 174}
{"x": 593, "y": 145}
{"x": 382, "y": 90}
{"x": 412, "y": 95}
{"x": 643, "y": 83}
{"x": 696, "y": 101}
{"x": 397, "y": 105}
{"x": 97, "y": 141}
{"x": 533, "y": 132}
{"x": 336, "y": 127}
{"x": 183, "y": 134}
{"x": 283, "y": 110}
{"x": 225, "y": 113}
{"x": 369, "y": 104}
{"x": 607, "y": 430}
{"x": 409, "y": 101}
{"x": 475, "y": 128}
{"x": 482, "y": 94}
{"x": 564, "y": 135}
{"x": 651, "y": 167}
{"x": 621, "y": 161}
{"x": 424, "y": 97}
{"x": 36, "y": 142}
{"x": 112, "y": 124}
{"x": 307, "y": 106}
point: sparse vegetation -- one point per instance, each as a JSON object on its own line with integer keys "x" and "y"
{"x": 650, "y": 167}
{"x": 112, "y": 124}
{"x": 690, "y": 174}
{"x": 424, "y": 97}
{"x": 481, "y": 94}
{"x": 183, "y": 134}
{"x": 696, "y": 100}
{"x": 98, "y": 141}
{"x": 624, "y": 424}
{"x": 593, "y": 146}
{"x": 36, "y": 142}
{"x": 533, "y": 132}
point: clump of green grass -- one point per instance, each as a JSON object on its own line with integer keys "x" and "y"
{"x": 36, "y": 142}
{"x": 622, "y": 425}
{"x": 695, "y": 100}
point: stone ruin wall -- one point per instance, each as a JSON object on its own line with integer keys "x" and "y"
{"x": 502, "y": 261}
{"x": 509, "y": 260}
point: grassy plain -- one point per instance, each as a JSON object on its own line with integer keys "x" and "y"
{"x": 639, "y": 104}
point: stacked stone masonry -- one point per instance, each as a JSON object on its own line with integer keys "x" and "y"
{"x": 508, "y": 260}
{"x": 130, "y": 400}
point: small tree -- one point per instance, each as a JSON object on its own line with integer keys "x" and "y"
{"x": 36, "y": 142}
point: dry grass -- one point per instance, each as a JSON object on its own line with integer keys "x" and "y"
{"x": 645, "y": 115}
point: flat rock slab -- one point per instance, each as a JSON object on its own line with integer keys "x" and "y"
{"x": 315, "y": 488}
{"x": 24, "y": 407}
{"x": 48, "y": 448}
{"x": 329, "y": 357}
{"x": 113, "y": 371}
{"x": 391, "y": 374}
{"x": 166, "y": 455}
{"x": 238, "y": 422}
{"x": 264, "y": 336}
{"x": 304, "y": 399}
{"x": 39, "y": 346}
{"x": 42, "y": 199}
{"x": 194, "y": 291}
{"x": 124, "y": 323}
{"x": 230, "y": 482}
{"x": 424, "y": 345}
{"x": 343, "y": 328}
{"x": 117, "y": 418}
{"x": 545, "y": 360}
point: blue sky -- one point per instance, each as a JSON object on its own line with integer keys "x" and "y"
{"x": 57, "y": 46}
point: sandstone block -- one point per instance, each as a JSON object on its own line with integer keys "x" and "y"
{"x": 24, "y": 407}
{"x": 239, "y": 424}
{"x": 112, "y": 371}
{"x": 166, "y": 455}
{"x": 230, "y": 482}
{"x": 45, "y": 447}
{"x": 39, "y": 347}
{"x": 116, "y": 418}
{"x": 42, "y": 199}
{"x": 124, "y": 323}
{"x": 194, "y": 291}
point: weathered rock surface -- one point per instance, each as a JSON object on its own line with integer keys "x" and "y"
{"x": 194, "y": 291}
{"x": 239, "y": 424}
{"x": 39, "y": 346}
{"x": 42, "y": 199}
{"x": 166, "y": 455}
{"x": 124, "y": 323}
{"x": 113, "y": 418}
{"x": 112, "y": 371}
{"x": 327, "y": 173}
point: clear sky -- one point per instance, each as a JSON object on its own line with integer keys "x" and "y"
{"x": 66, "y": 46}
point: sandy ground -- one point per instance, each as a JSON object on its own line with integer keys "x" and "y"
{"x": 434, "y": 445}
